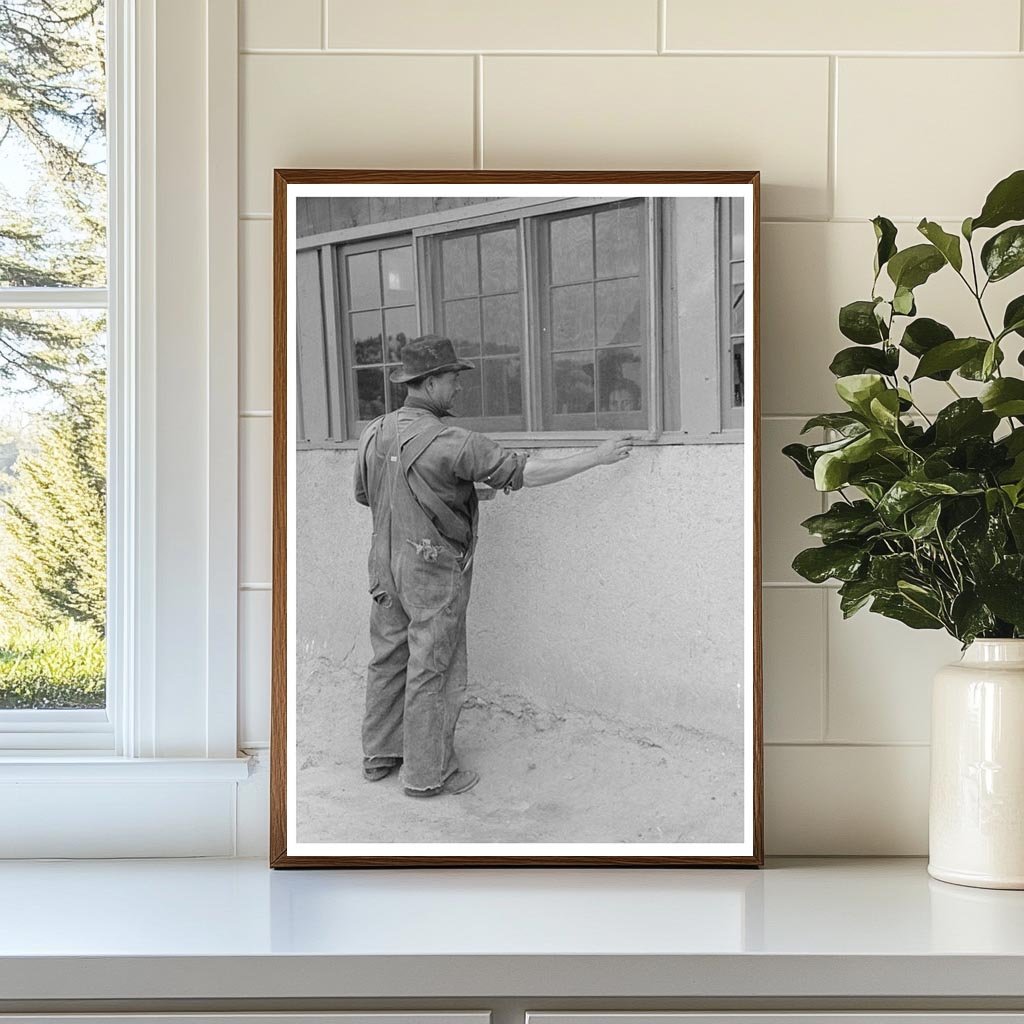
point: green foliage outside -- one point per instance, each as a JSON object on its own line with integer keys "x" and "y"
{"x": 60, "y": 667}
{"x": 928, "y": 522}
{"x": 53, "y": 234}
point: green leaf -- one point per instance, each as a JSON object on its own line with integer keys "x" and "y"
{"x": 842, "y": 521}
{"x": 1005, "y": 202}
{"x": 906, "y": 494}
{"x": 854, "y": 595}
{"x": 990, "y": 360}
{"x": 947, "y": 244}
{"x": 965, "y": 229}
{"x": 966, "y": 417}
{"x": 912, "y": 267}
{"x": 1013, "y": 317}
{"x": 858, "y": 389}
{"x": 799, "y": 455}
{"x": 950, "y": 355}
{"x": 841, "y": 421}
{"x": 1005, "y": 596}
{"x": 925, "y": 518}
{"x": 849, "y": 361}
{"x": 970, "y": 617}
{"x": 923, "y": 335}
{"x": 864, "y": 446}
{"x": 1003, "y": 254}
{"x": 885, "y": 409}
{"x": 1004, "y": 397}
{"x": 887, "y": 570}
{"x": 831, "y": 471}
{"x": 903, "y": 302}
{"x": 974, "y": 368}
{"x": 841, "y": 561}
{"x": 857, "y": 321}
{"x": 885, "y": 236}
{"x": 899, "y": 608}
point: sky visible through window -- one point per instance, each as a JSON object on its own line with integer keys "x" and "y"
{"x": 53, "y": 222}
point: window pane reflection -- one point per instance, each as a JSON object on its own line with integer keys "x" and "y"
{"x": 461, "y": 276}
{"x": 363, "y": 281}
{"x": 573, "y": 375}
{"x": 499, "y": 262}
{"x": 620, "y": 379}
{"x": 396, "y": 273}
{"x": 618, "y": 241}
{"x": 572, "y": 249}
{"x": 620, "y": 313}
{"x": 503, "y": 387}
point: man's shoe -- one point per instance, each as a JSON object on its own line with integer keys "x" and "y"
{"x": 458, "y": 782}
{"x": 376, "y": 772}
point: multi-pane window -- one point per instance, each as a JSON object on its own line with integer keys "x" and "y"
{"x": 53, "y": 361}
{"x": 480, "y": 302}
{"x": 593, "y": 319}
{"x": 379, "y": 317}
{"x": 731, "y": 241}
{"x": 558, "y": 306}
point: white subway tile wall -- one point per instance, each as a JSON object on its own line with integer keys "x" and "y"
{"x": 909, "y": 111}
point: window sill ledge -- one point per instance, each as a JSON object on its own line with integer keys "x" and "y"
{"x": 76, "y": 767}
{"x": 589, "y": 439}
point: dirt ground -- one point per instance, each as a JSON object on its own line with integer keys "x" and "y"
{"x": 543, "y": 778}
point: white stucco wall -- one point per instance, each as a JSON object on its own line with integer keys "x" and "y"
{"x": 617, "y": 593}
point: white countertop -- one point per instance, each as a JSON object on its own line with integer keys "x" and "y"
{"x": 234, "y": 929}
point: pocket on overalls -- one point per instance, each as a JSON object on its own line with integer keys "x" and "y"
{"x": 426, "y": 578}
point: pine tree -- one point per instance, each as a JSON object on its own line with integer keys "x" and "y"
{"x": 52, "y": 116}
{"x": 53, "y": 123}
{"x": 54, "y": 519}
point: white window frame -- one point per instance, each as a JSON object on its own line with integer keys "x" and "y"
{"x": 173, "y": 469}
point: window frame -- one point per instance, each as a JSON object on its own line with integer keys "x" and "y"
{"x": 704, "y": 420}
{"x": 732, "y": 415}
{"x": 91, "y": 730}
{"x": 431, "y": 297}
{"x": 172, "y": 510}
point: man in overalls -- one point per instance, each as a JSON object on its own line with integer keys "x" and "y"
{"x": 417, "y": 475}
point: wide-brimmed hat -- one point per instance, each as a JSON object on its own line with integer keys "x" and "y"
{"x": 425, "y": 356}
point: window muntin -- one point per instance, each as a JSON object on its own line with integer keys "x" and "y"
{"x": 479, "y": 304}
{"x": 621, "y": 275}
{"x": 594, "y": 324}
{"x": 377, "y": 285}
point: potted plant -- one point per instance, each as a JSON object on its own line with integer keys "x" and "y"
{"x": 927, "y": 521}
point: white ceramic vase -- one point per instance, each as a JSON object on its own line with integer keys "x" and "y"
{"x": 976, "y": 811}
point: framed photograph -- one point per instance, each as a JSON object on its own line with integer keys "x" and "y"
{"x": 516, "y": 587}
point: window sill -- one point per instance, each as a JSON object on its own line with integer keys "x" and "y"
{"x": 73, "y": 766}
{"x": 589, "y": 439}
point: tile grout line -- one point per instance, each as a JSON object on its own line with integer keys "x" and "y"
{"x": 478, "y": 111}
{"x": 831, "y": 172}
{"x": 824, "y": 724}
{"x": 852, "y": 744}
{"x": 299, "y": 51}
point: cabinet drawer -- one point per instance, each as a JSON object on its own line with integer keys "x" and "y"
{"x": 359, "y": 1017}
{"x": 851, "y": 1017}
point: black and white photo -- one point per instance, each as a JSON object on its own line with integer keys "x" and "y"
{"x": 516, "y": 616}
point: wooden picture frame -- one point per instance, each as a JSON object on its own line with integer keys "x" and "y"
{"x": 672, "y": 710}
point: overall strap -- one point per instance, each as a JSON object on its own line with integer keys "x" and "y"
{"x": 450, "y": 524}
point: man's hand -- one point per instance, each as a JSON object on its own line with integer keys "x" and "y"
{"x": 538, "y": 472}
{"x": 615, "y": 449}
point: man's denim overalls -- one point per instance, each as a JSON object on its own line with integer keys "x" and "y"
{"x": 420, "y": 581}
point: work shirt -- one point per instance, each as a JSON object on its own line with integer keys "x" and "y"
{"x": 455, "y": 460}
